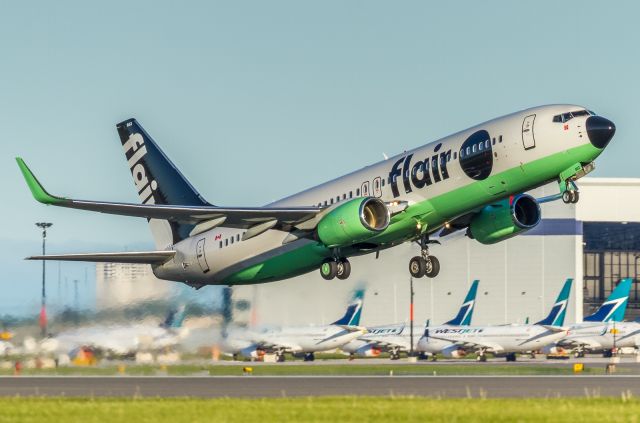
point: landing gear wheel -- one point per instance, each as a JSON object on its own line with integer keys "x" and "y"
{"x": 432, "y": 267}
{"x": 343, "y": 269}
{"x": 394, "y": 356}
{"x": 511, "y": 357}
{"x": 481, "y": 358}
{"x": 329, "y": 269}
{"x": 417, "y": 267}
{"x": 309, "y": 357}
{"x": 280, "y": 358}
{"x": 570, "y": 196}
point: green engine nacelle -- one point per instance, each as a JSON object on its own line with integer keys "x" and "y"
{"x": 508, "y": 218}
{"x": 354, "y": 221}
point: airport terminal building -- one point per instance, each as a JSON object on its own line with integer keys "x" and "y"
{"x": 596, "y": 242}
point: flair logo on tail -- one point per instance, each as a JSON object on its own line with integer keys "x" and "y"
{"x": 135, "y": 150}
{"x": 354, "y": 310}
{"x": 614, "y": 308}
{"x": 559, "y": 309}
{"x": 463, "y": 318}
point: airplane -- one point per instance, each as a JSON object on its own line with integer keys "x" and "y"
{"x": 119, "y": 340}
{"x": 604, "y": 329}
{"x": 473, "y": 180}
{"x": 305, "y": 340}
{"x": 397, "y": 338}
{"x": 499, "y": 339}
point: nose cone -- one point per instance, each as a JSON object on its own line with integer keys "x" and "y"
{"x": 600, "y": 131}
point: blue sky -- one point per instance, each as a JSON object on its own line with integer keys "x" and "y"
{"x": 257, "y": 100}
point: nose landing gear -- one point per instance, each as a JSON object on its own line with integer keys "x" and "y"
{"x": 424, "y": 264}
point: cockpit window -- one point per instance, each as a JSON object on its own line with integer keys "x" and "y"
{"x": 565, "y": 117}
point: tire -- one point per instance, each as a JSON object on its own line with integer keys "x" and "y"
{"x": 417, "y": 267}
{"x": 566, "y": 197}
{"x": 343, "y": 269}
{"x": 280, "y": 358}
{"x": 576, "y": 197}
{"x": 433, "y": 267}
{"x": 328, "y": 269}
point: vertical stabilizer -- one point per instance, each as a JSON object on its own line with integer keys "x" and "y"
{"x": 559, "y": 309}
{"x": 614, "y": 308}
{"x": 463, "y": 318}
{"x": 354, "y": 310}
{"x": 157, "y": 181}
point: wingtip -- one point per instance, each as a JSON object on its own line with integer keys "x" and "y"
{"x": 37, "y": 190}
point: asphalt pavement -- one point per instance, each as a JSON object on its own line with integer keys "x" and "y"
{"x": 292, "y": 386}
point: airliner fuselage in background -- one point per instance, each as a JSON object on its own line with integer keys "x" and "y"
{"x": 473, "y": 180}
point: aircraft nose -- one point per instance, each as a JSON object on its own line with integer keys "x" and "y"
{"x": 600, "y": 131}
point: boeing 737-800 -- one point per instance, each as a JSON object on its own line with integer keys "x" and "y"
{"x": 397, "y": 338}
{"x": 501, "y": 339}
{"x": 473, "y": 180}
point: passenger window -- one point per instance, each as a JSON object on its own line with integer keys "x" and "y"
{"x": 455, "y": 155}
{"x": 350, "y": 194}
{"x": 500, "y": 139}
{"x": 325, "y": 202}
{"x": 226, "y": 242}
{"x": 332, "y": 201}
{"x": 344, "y": 196}
{"x": 220, "y": 244}
{"x": 232, "y": 240}
{"x": 494, "y": 141}
{"x": 358, "y": 192}
{"x": 383, "y": 182}
{"x": 238, "y": 237}
{"x": 337, "y": 198}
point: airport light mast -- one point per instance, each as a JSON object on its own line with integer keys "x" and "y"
{"x": 43, "y": 310}
{"x": 411, "y": 352}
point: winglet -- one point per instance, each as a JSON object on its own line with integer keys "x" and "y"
{"x": 37, "y": 190}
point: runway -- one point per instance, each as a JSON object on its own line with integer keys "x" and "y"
{"x": 290, "y": 386}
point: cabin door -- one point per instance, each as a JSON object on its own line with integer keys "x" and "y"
{"x": 528, "y": 139}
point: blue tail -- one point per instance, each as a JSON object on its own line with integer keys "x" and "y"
{"x": 174, "y": 319}
{"x": 559, "y": 309}
{"x": 354, "y": 310}
{"x": 463, "y": 318}
{"x": 156, "y": 179}
{"x": 613, "y": 309}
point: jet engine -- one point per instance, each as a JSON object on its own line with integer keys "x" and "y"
{"x": 353, "y": 221}
{"x": 454, "y": 352}
{"x": 506, "y": 219}
{"x": 368, "y": 350}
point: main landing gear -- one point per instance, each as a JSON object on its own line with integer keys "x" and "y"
{"x": 335, "y": 268}
{"x": 424, "y": 264}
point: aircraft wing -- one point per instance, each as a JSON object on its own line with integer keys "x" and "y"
{"x": 389, "y": 342}
{"x": 585, "y": 342}
{"x": 141, "y": 257}
{"x": 239, "y": 217}
{"x": 351, "y": 328}
{"x": 472, "y": 345}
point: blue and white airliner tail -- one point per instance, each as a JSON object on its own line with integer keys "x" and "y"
{"x": 354, "y": 311}
{"x": 559, "y": 310}
{"x": 614, "y": 308}
{"x": 463, "y": 318}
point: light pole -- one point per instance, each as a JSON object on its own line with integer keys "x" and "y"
{"x": 411, "y": 352}
{"x": 43, "y": 310}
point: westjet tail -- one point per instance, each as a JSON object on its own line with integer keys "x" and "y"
{"x": 559, "y": 309}
{"x": 354, "y": 310}
{"x": 463, "y": 318}
{"x": 614, "y": 308}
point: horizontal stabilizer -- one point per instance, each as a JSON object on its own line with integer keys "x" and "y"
{"x": 142, "y": 257}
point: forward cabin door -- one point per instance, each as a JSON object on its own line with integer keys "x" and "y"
{"x": 528, "y": 140}
{"x": 202, "y": 260}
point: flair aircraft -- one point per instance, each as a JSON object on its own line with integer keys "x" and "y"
{"x": 501, "y": 339}
{"x": 397, "y": 338}
{"x": 605, "y": 329}
{"x": 305, "y": 340}
{"x": 473, "y": 180}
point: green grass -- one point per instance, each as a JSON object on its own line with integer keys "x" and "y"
{"x": 317, "y": 370}
{"x": 343, "y": 409}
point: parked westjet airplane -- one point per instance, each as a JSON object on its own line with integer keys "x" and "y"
{"x": 473, "y": 180}
{"x": 397, "y": 338}
{"x": 305, "y": 340}
{"x": 500, "y": 339}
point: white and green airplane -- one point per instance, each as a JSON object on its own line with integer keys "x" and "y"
{"x": 474, "y": 180}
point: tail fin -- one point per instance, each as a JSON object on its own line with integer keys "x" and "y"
{"x": 463, "y": 318}
{"x": 174, "y": 319}
{"x": 613, "y": 309}
{"x": 354, "y": 310}
{"x": 157, "y": 181}
{"x": 559, "y": 309}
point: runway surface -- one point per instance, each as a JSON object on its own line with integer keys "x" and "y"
{"x": 289, "y": 386}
